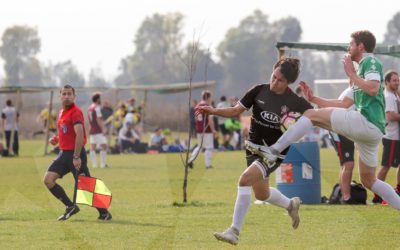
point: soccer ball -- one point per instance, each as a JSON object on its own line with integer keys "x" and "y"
{"x": 288, "y": 120}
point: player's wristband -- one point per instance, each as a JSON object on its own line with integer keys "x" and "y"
{"x": 76, "y": 157}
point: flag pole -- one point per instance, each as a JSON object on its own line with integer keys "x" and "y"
{"x": 75, "y": 186}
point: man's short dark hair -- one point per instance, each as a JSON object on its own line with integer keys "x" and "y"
{"x": 95, "y": 97}
{"x": 67, "y": 86}
{"x": 8, "y": 102}
{"x": 289, "y": 67}
{"x": 205, "y": 95}
{"x": 223, "y": 98}
{"x": 388, "y": 75}
{"x": 365, "y": 37}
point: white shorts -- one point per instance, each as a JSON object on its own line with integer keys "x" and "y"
{"x": 98, "y": 139}
{"x": 208, "y": 140}
{"x": 357, "y": 128}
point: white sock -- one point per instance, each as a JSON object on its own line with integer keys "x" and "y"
{"x": 277, "y": 198}
{"x": 103, "y": 158}
{"x": 242, "y": 204}
{"x": 93, "y": 158}
{"x": 293, "y": 134}
{"x": 387, "y": 193}
{"x": 207, "y": 157}
{"x": 194, "y": 153}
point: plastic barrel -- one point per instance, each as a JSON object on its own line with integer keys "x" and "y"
{"x": 299, "y": 174}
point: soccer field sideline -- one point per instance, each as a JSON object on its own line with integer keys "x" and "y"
{"x": 145, "y": 187}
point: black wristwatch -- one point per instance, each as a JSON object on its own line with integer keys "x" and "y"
{"x": 76, "y": 157}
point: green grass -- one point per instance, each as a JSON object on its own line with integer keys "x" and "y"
{"x": 145, "y": 187}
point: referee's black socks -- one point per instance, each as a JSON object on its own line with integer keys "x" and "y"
{"x": 60, "y": 194}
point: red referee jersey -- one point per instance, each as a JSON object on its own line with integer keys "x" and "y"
{"x": 65, "y": 125}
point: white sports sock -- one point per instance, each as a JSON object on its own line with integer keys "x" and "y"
{"x": 93, "y": 158}
{"x": 293, "y": 134}
{"x": 194, "y": 153}
{"x": 387, "y": 193}
{"x": 207, "y": 157}
{"x": 277, "y": 198}
{"x": 103, "y": 158}
{"x": 242, "y": 204}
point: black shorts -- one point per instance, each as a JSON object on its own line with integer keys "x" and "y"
{"x": 223, "y": 130}
{"x": 250, "y": 158}
{"x": 344, "y": 149}
{"x": 62, "y": 165}
{"x": 390, "y": 155}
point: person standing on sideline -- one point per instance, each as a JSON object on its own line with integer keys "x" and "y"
{"x": 106, "y": 112}
{"x": 365, "y": 127}
{"x": 345, "y": 150}
{"x": 10, "y": 117}
{"x": 343, "y": 146}
{"x": 226, "y": 134}
{"x": 72, "y": 157}
{"x": 192, "y": 117}
{"x": 269, "y": 103}
{"x": 205, "y": 131}
{"x": 390, "y": 141}
{"x": 97, "y": 132}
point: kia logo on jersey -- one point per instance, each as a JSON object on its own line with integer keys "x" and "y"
{"x": 270, "y": 117}
{"x": 64, "y": 128}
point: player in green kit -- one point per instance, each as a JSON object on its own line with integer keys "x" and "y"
{"x": 365, "y": 126}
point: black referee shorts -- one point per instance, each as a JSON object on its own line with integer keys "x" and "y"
{"x": 390, "y": 155}
{"x": 345, "y": 149}
{"x": 62, "y": 165}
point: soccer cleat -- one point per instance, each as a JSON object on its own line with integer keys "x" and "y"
{"x": 69, "y": 211}
{"x": 269, "y": 157}
{"x": 293, "y": 211}
{"x": 105, "y": 216}
{"x": 230, "y": 235}
{"x": 104, "y": 166}
{"x": 377, "y": 199}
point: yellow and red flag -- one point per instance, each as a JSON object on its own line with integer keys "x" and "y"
{"x": 93, "y": 192}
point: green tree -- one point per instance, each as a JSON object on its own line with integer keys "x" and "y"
{"x": 96, "y": 78}
{"x": 206, "y": 67}
{"x": 248, "y": 51}
{"x": 158, "y": 42}
{"x": 20, "y": 47}
{"x": 392, "y": 36}
{"x": 63, "y": 73}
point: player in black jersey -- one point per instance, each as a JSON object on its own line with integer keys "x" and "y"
{"x": 269, "y": 102}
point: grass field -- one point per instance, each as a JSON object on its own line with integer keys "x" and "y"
{"x": 145, "y": 187}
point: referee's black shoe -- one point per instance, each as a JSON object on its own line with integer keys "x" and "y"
{"x": 69, "y": 211}
{"x": 105, "y": 216}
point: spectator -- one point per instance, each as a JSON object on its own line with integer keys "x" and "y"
{"x": 44, "y": 117}
{"x": 215, "y": 121}
{"x": 128, "y": 138}
{"x": 118, "y": 116}
{"x": 157, "y": 140}
{"x": 226, "y": 134}
{"x": 106, "y": 112}
{"x": 10, "y": 118}
{"x": 193, "y": 117}
{"x": 390, "y": 141}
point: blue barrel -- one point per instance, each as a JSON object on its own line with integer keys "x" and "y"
{"x": 299, "y": 174}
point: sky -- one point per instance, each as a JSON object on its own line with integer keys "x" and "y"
{"x": 99, "y": 33}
